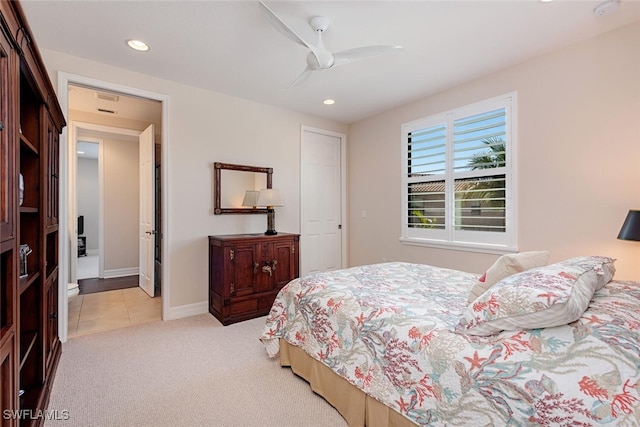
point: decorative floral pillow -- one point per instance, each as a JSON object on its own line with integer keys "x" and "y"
{"x": 542, "y": 297}
{"x": 505, "y": 266}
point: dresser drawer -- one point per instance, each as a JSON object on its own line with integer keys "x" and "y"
{"x": 246, "y": 306}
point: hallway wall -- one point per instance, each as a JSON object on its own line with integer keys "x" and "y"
{"x": 88, "y": 202}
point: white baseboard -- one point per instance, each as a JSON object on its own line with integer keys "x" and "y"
{"x": 121, "y": 272}
{"x": 188, "y": 310}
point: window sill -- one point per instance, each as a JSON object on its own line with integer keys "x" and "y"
{"x": 458, "y": 246}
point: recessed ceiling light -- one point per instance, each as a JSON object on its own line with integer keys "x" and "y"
{"x": 138, "y": 45}
{"x": 80, "y": 152}
{"x": 329, "y": 102}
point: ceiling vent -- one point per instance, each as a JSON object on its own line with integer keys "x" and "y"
{"x": 103, "y": 110}
{"x": 107, "y": 96}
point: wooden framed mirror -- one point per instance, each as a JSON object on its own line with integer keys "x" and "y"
{"x": 231, "y": 183}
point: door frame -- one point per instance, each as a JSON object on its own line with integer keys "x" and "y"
{"x": 76, "y": 131}
{"x": 66, "y": 234}
{"x": 343, "y": 187}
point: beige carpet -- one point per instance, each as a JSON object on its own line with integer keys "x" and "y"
{"x": 187, "y": 372}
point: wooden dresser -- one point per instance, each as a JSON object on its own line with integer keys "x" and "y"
{"x": 246, "y": 271}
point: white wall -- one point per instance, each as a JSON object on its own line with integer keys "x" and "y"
{"x": 578, "y": 158}
{"x": 88, "y": 200}
{"x": 121, "y": 205}
{"x": 205, "y": 127}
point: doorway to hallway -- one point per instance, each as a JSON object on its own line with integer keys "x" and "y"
{"x": 105, "y": 116}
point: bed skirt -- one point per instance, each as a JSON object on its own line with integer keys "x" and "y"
{"x": 356, "y": 407}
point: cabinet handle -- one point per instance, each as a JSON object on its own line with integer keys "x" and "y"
{"x": 267, "y": 269}
{"x": 255, "y": 267}
{"x": 273, "y": 264}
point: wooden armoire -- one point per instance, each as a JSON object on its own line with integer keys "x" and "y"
{"x": 30, "y": 124}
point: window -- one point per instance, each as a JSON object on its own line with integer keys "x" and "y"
{"x": 457, "y": 178}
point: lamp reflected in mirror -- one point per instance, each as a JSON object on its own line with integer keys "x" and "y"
{"x": 250, "y": 199}
{"x": 270, "y": 197}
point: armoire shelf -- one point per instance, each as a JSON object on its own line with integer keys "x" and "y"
{"x": 28, "y": 338}
{"x": 25, "y": 282}
{"x": 28, "y": 144}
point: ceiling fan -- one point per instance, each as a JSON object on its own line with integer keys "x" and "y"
{"x": 319, "y": 57}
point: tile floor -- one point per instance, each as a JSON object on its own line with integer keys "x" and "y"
{"x": 104, "y": 311}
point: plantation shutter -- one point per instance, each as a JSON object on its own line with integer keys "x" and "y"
{"x": 458, "y": 178}
{"x": 479, "y": 170}
{"x": 427, "y": 150}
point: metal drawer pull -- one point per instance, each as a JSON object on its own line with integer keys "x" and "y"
{"x": 267, "y": 269}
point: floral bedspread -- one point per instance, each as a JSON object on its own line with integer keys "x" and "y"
{"x": 389, "y": 330}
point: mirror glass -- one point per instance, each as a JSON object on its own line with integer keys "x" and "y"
{"x": 236, "y": 183}
{"x": 231, "y": 184}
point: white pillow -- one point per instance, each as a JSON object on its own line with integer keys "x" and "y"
{"x": 505, "y": 266}
{"x": 542, "y": 297}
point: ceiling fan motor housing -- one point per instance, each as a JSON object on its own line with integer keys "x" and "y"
{"x": 319, "y": 23}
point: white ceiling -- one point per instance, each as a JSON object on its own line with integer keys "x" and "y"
{"x": 230, "y": 46}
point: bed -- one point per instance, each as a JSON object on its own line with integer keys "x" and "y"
{"x": 400, "y": 344}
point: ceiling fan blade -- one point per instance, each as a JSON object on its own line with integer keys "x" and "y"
{"x": 350, "y": 55}
{"x": 301, "y": 78}
{"x": 284, "y": 29}
{"x": 281, "y": 26}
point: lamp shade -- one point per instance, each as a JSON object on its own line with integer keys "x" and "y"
{"x": 250, "y": 198}
{"x": 269, "y": 197}
{"x": 631, "y": 228}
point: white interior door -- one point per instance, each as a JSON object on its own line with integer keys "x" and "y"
{"x": 322, "y": 246}
{"x": 147, "y": 231}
